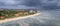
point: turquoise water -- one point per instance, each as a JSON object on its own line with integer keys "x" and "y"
{"x": 46, "y": 18}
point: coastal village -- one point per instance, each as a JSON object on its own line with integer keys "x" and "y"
{"x": 5, "y": 14}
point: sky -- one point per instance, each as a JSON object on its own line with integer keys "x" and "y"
{"x": 34, "y": 4}
{"x": 14, "y": 4}
{"x": 46, "y": 18}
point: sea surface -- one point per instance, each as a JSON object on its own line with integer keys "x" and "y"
{"x": 46, "y": 18}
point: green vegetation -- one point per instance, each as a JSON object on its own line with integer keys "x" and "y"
{"x": 14, "y": 13}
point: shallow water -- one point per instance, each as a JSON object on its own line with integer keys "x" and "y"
{"x": 46, "y": 18}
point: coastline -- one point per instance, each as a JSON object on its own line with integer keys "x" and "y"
{"x": 17, "y": 18}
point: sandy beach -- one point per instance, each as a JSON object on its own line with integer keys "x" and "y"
{"x": 17, "y": 18}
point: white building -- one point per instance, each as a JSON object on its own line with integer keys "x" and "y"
{"x": 30, "y": 11}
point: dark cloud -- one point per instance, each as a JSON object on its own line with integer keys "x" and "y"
{"x": 32, "y": 3}
{"x": 41, "y": 4}
{"x": 45, "y": 4}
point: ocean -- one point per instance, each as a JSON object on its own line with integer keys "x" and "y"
{"x": 46, "y": 18}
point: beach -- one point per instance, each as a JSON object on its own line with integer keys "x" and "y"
{"x": 17, "y": 18}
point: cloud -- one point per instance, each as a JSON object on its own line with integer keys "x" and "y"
{"x": 51, "y": 4}
{"x": 18, "y": 7}
{"x": 41, "y": 4}
{"x": 13, "y": 4}
{"x": 45, "y": 4}
{"x": 32, "y": 2}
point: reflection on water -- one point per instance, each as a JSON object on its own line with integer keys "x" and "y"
{"x": 46, "y": 18}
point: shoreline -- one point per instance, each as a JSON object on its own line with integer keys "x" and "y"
{"x": 17, "y": 18}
